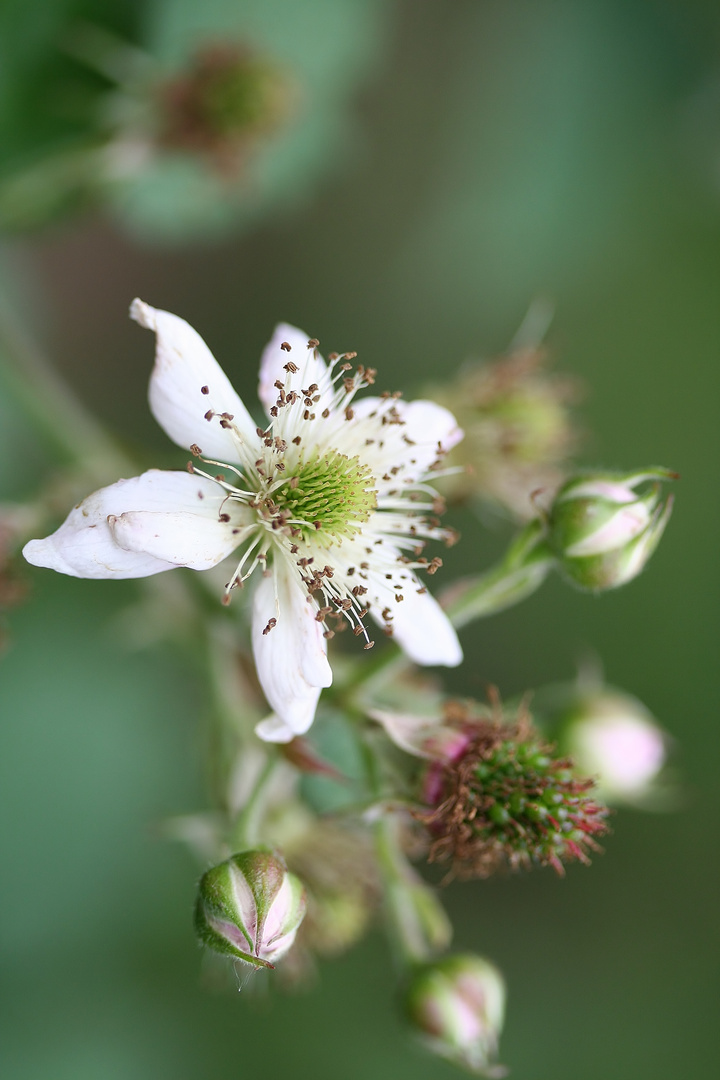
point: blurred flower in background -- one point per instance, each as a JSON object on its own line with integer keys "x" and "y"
{"x": 201, "y": 125}
{"x": 519, "y": 429}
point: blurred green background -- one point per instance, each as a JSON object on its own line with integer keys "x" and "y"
{"x": 468, "y": 156}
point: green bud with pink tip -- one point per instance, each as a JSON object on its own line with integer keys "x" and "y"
{"x": 250, "y": 907}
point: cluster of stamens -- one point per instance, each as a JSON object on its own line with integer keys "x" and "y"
{"x": 308, "y": 500}
{"x": 506, "y": 801}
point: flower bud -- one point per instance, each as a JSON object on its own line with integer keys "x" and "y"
{"x": 612, "y": 736}
{"x": 457, "y": 1005}
{"x": 602, "y": 531}
{"x": 250, "y": 907}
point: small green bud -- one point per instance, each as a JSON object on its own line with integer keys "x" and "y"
{"x": 250, "y": 907}
{"x": 602, "y": 531}
{"x": 457, "y": 1005}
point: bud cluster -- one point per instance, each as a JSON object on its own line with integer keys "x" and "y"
{"x": 504, "y": 800}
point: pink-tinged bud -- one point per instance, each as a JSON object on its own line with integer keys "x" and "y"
{"x": 602, "y": 531}
{"x": 250, "y": 907}
{"x": 614, "y": 738}
{"x": 457, "y": 1006}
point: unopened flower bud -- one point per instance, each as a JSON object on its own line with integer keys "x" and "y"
{"x": 602, "y": 531}
{"x": 250, "y": 907}
{"x": 613, "y": 737}
{"x": 457, "y": 1005}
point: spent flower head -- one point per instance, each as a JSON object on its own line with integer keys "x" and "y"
{"x": 457, "y": 1007}
{"x": 227, "y": 99}
{"x": 250, "y": 907}
{"x": 329, "y": 500}
{"x": 499, "y": 797}
{"x": 518, "y": 429}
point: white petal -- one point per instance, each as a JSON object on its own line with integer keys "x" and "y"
{"x": 420, "y": 626}
{"x": 183, "y": 367}
{"x": 273, "y": 729}
{"x": 199, "y": 542}
{"x": 311, "y": 366}
{"x": 291, "y": 658}
{"x": 426, "y": 431}
{"x": 84, "y": 545}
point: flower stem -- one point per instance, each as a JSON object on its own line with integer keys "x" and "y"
{"x": 245, "y": 832}
{"x": 417, "y": 924}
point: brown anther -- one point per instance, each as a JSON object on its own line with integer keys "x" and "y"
{"x": 297, "y": 440}
{"x": 286, "y": 347}
{"x": 369, "y": 645}
{"x": 349, "y": 413}
{"x": 329, "y": 634}
{"x": 223, "y": 517}
{"x": 399, "y": 597}
{"x": 313, "y": 343}
{"x": 274, "y": 411}
{"x": 435, "y": 565}
{"x": 195, "y": 450}
{"x": 209, "y": 414}
{"x": 290, "y": 367}
{"x": 350, "y": 355}
{"x": 332, "y": 357}
{"x": 259, "y": 431}
{"x": 225, "y": 424}
{"x": 190, "y": 467}
{"x": 325, "y": 414}
{"x": 279, "y": 385}
{"x": 270, "y": 625}
{"x": 346, "y": 367}
{"x": 204, "y": 389}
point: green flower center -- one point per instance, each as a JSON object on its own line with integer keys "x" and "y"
{"x": 329, "y": 494}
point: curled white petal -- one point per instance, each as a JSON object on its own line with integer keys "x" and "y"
{"x": 187, "y": 383}
{"x": 311, "y": 366}
{"x": 273, "y": 729}
{"x": 197, "y": 541}
{"x": 85, "y": 544}
{"x": 291, "y": 655}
